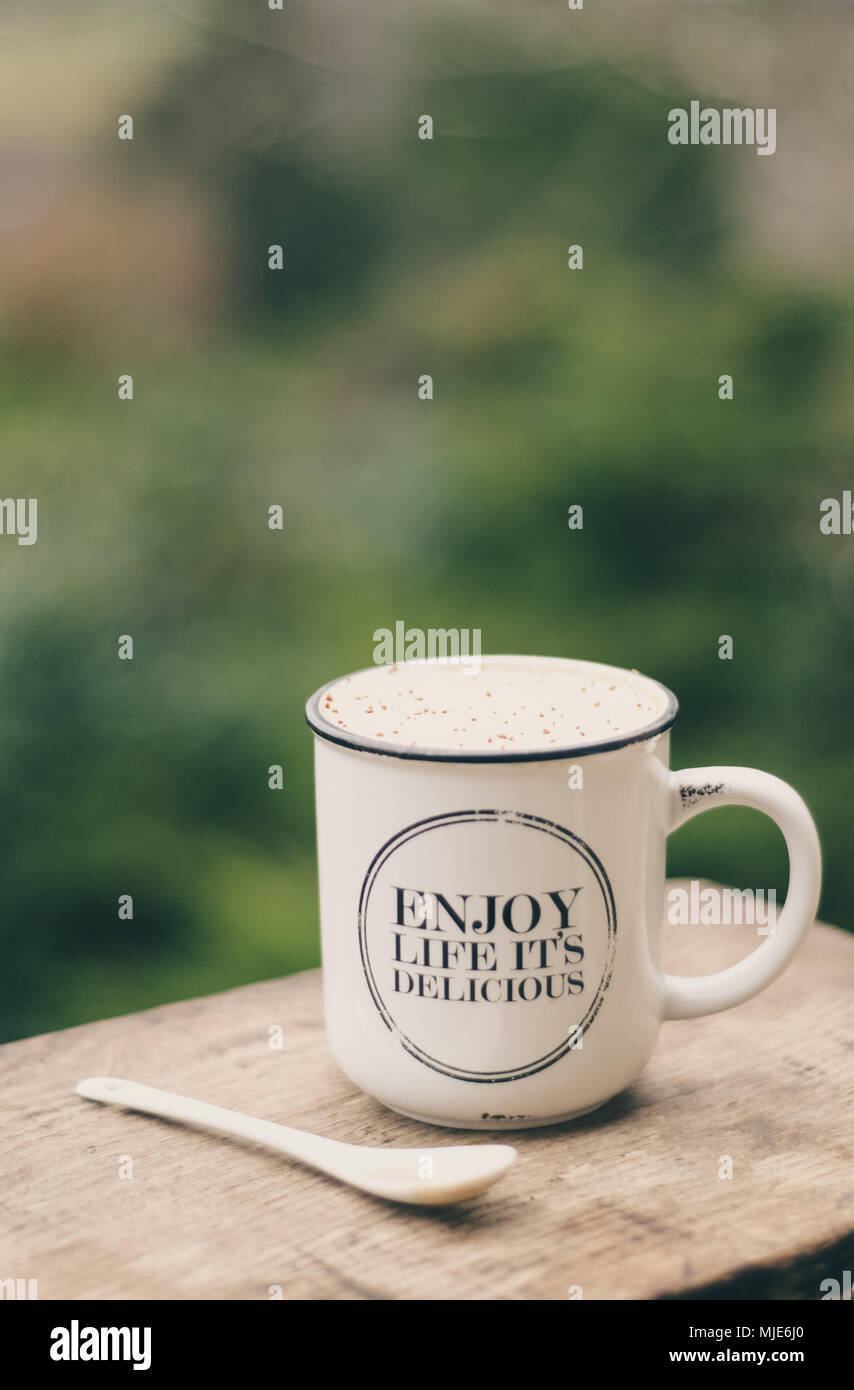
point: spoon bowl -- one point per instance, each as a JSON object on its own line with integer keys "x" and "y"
{"x": 431, "y": 1177}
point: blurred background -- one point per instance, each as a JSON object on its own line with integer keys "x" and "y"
{"x": 553, "y": 387}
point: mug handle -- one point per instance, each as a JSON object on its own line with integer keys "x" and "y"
{"x": 697, "y": 789}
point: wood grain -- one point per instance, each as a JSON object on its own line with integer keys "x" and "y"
{"x": 627, "y": 1203}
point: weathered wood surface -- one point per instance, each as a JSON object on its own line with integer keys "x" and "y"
{"x": 627, "y": 1203}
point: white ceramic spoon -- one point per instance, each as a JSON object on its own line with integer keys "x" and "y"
{"x": 428, "y": 1177}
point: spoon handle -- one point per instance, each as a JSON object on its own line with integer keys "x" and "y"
{"x": 133, "y": 1095}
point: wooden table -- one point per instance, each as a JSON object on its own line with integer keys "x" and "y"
{"x": 627, "y": 1203}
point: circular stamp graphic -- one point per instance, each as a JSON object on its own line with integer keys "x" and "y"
{"x": 487, "y": 941}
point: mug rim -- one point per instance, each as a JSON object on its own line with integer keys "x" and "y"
{"x": 363, "y": 743}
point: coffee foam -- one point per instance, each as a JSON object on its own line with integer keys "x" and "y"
{"x": 511, "y": 705}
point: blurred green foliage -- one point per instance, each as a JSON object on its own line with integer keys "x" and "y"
{"x": 252, "y": 387}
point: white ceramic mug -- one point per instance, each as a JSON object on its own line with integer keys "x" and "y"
{"x": 492, "y": 935}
